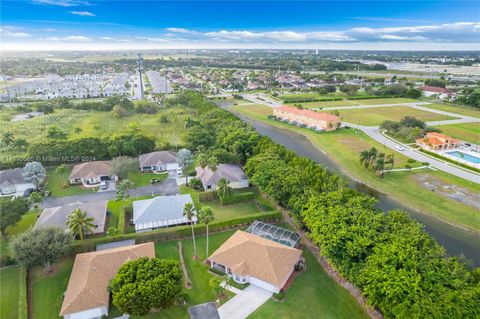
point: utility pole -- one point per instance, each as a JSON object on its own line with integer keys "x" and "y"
{"x": 140, "y": 69}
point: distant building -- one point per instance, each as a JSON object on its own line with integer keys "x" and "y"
{"x": 320, "y": 121}
{"x": 441, "y": 93}
{"x": 437, "y": 142}
{"x": 12, "y": 182}
{"x": 160, "y": 161}
{"x": 91, "y": 173}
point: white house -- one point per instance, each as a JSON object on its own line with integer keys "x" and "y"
{"x": 159, "y": 162}
{"x": 12, "y": 182}
{"x": 441, "y": 93}
{"x": 261, "y": 262}
{"x": 160, "y": 211}
{"x": 231, "y": 172}
{"x": 87, "y": 295}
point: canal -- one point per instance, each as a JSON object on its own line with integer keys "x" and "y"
{"x": 456, "y": 241}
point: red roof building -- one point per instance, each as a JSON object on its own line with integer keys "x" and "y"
{"x": 317, "y": 120}
{"x": 433, "y": 90}
{"x": 437, "y": 142}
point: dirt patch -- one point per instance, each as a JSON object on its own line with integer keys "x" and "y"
{"x": 455, "y": 192}
{"x": 355, "y": 144}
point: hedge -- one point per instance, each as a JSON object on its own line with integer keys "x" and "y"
{"x": 450, "y": 160}
{"x": 237, "y": 198}
{"x": 179, "y": 232}
{"x": 22, "y": 294}
{"x": 207, "y": 196}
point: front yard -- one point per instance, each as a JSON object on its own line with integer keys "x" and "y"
{"x": 57, "y": 184}
{"x": 143, "y": 179}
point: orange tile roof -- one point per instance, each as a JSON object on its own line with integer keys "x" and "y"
{"x": 440, "y": 135}
{"x": 248, "y": 254}
{"x": 91, "y": 275}
{"x": 309, "y": 113}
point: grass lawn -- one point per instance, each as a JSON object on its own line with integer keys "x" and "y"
{"x": 458, "y": 109}
{"x": 55, "y": 182}
{"x": 313, "y": 294}
{"x": 10, "y": 292}
{"x": 48, "y": 289}
{"x": 356, "y": 102}
{"x": 27, "y": 221}
{"x": 469, "y": 132}
{"x": 226, "y": 212}
{"x": 143, "y": 179}
{"x": 343, "y": 147}
{"x": 376, "y": 116}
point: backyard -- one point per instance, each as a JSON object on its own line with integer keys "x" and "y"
{"x": 143, "y": 179}
{"x": 344, "y": 145}
{"x": 13, "y": 295}
{"x": 27, "y": 221}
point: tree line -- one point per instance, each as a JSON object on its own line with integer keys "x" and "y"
{"x": 400, "y": 269}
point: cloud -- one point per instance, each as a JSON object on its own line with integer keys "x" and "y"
{"x": 13, "y": 32}
{"x": 401, "y": 38}
{"x": 281, "y": 36}
{"x": 62, "y": 3}
{"x": 180, "y": 30}
{"x": 83, "y": 13}
{"x": 76, "y": 38}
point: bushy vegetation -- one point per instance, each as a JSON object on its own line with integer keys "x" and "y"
{"x": 407, "y": 129}
{"x": 401, "y": 270}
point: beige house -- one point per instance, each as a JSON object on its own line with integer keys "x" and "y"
{"x": 320, "y": 121}
{"x": 87, "y": 295}
{"x": 90, "y": 174}
{"x": 261, "y": 262}
{"x": 438, "y": 142}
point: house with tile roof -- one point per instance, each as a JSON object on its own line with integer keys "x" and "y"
{"x": 58, "y": 216}
{"x": 12, "y": 182}
{"x": 259, "y": 261}
{"x": 160, "y": 161}
{"x": 319, "y": 121}
{"x": 90, "y": 174}
{"x": 87, "y": 295}
{"x": 233, "y": 173}
{"x": 160, "y": 211}
{"x": 434, "y": 141}
{"x": 439, "y": 92}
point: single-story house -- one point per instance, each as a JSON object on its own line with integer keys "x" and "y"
{"x": 434, "y": 141}
{"x": 231, "y": 172}
{"x": 439, "y": 92}
{"x": 87, "y": 295}
{"x": 90, "y": 174}
{"x": 159, "y": 162}
{"x": 58, "y": 216}
{"x": 12, "y": 182}
{"x": 261, "y": 262}
{"x": 160, "y": 211}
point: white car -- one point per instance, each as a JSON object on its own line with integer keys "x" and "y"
{"x": 103, "y": 184}
{"x": 400, "y": 148}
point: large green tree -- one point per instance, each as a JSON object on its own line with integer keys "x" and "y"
{"x": 35, "y": 173}
{"x": 11, "y": 211}
{"x": 41, "y": 246}
{"x": 146, "y": 283}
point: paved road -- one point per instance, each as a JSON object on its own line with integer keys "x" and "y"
{"x": 374, "y": 133}
{"x": 260, "y": 98}
{"x": 244, "y": 302}
{"x": 168, "y": 187}
{"x": 137, "y": 95}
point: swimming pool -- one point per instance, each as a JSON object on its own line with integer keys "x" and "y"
{"x": 466, "y": 157}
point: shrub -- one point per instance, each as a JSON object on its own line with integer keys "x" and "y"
{"x": 195, "y": 183}
{"x": 207, "y": 196}
{"x": 411, "y": 160}
{"x": 237, "y": 198}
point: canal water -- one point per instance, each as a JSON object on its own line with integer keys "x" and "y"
{"x": 457, "y": 242}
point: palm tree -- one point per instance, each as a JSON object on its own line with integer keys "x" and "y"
{"x": 205, "y": 215}
{"x": 62, "y": 171}
{"x": 389, "y": 160}
{"x": 379, "y": 165}
{"x": 79, "y": 223}
{"x": 373, "y": 155}
{"x": 223, "y": 189}
{"x": 212, "y": 163}
{"x": 202, "y": 160}
{"x": 189, "y": 213}
{"x": 365, "y": 158}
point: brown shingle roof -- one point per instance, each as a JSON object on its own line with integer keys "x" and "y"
{"x": 248, "y": 254}
{"x": 91, "y": 169}
{"x": 156, "y": 158}
{"x": 91, "y": 275}
{"x": 231, "y": 172}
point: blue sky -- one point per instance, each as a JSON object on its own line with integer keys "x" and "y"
{"x": 113, "y": 25}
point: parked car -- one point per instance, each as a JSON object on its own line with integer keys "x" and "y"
{"x": 103, "y": 185}
{"x": 400, "y": 148}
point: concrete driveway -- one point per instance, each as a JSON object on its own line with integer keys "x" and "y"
{"x": 168, "y": 187}
{"x": 244, "y": 303}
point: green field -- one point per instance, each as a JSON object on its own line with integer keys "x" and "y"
{"x": 376, "y": 116}
{"x": 96, "y": 124}
{"x": 355, "y": 102}
{"x": 58, "y": 185}
{"x": 469, "y": 132}
{"x": 458, "y": 109}
{"x": 313, "y": 294}
{"x": 27, "y": 221}
{"x": 13, "y": 294}
{"x": 344, "y": 145}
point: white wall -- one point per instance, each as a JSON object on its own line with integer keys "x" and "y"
{"x": 264, "y": 285}
{"x": 88, "y": 314}
{"x": 239, "y": 184}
